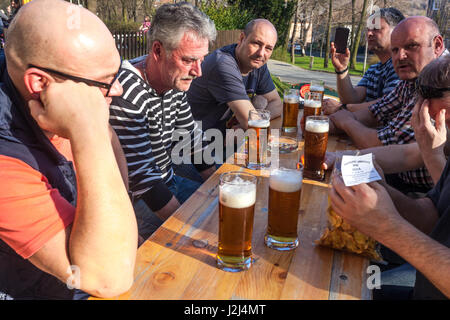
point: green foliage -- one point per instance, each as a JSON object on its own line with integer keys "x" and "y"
{"x": 280, "y": 53}
{"x": 279, "y": 12}
{"x": 122, "y": 26}
{"x": 226, "y": 17}
{"x": 280, "y": 86}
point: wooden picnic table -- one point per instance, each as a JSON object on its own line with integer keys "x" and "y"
{"x": 179, "y": 260}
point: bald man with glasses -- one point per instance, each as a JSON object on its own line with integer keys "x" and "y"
{"x": 67, "y": 225}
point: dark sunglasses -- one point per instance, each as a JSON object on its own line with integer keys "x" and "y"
{"x": 89, "y": 82}
{"x": 428, "y": 92}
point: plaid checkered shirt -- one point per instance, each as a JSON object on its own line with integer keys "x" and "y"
{"x": 393, "y": 113}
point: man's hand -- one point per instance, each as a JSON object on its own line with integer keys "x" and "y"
{"x": 431, "y": 139}
{"x": 328, "y": 162}
{"x": 341, "y": 119}
{"x": 339, "y": 60}
{"x": 330, "y": 106}
{"x": 367, "y": 207}
{"x": 68, "y": 108}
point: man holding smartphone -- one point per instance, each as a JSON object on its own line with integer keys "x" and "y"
{"x": 379, "y": 79}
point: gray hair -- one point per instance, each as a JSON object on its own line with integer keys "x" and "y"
{"x": 392, "y": 16}
{"x": 171, "y": 21}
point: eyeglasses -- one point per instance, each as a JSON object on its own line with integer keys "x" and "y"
{"x": 89, "y": 82}
{"x": 428, "y": 92}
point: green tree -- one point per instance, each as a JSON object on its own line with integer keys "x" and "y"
{"x": 355, "y": 46}
{"x": 279, "y": 12}
{"x": 328, "y": 35}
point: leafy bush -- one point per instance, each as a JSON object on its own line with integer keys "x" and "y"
{"x": 226, "y": 17}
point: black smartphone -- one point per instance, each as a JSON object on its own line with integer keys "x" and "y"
{"x": 341, "y": 39}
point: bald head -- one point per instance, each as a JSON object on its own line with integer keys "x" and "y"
{"x": 415, "y": 42}
{"x": 68, "y": 38}
{"x": 259, "y": 23}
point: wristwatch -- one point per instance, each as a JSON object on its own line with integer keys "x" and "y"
{"x": 343, "y": 107}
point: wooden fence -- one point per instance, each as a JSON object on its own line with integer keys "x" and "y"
{"x": 131, "y": 44}
{"x": 134, "y": 44}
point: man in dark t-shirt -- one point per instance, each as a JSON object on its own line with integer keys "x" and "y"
{"x": 234, "y": 77}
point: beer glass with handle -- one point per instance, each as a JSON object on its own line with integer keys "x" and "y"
{"x": 285, "y": 186}
{"x": 312, "y": 107}
{"x": 257, "y": 139}
{"x": 316, "y": 140}
{"x": 237, "y": 197}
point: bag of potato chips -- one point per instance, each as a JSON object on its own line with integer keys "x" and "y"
{"x": 342, "y": 236}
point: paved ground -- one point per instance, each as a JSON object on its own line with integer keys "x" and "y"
{"x": 292, "y": 74}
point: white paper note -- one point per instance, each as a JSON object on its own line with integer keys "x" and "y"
{"x": 358, "y": 169}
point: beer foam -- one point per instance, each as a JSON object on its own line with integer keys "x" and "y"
{"x": 285, "y": 180}
{"x": 313, "y": 104}
{"x": 259, "y": 123}
{"x": 291, "y": 99}
{"x": 238, "y": 194}
{"x": 317, "y": 126}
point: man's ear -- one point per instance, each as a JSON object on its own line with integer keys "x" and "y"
{"x": 438, "y": 45}
{"x": 157, "y": 50}
{"x": 35, "y": 81}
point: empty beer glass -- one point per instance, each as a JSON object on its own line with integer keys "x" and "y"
{"x": 317, "y": 86}
{"x": 285, "y": 186}
{"x": 316, "y": 140}
{"x": 237, "y": 197}
{"x": 257, "y": 139}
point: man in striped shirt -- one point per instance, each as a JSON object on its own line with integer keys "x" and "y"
{"x": 415, "y": 42}
{"x": 380, "y": 79}
{"x": 153, "y": 110}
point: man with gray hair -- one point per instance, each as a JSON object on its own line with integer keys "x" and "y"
{"x": 380, "y": 78}
{"x": 154, "y": 107}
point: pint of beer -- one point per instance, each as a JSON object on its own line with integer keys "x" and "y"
{"x": 284, "y": 204}
{"x": 312, "y": 107}
{"x": 257, "y": 139}
{"x": 316, "y": 139}
{"x": 237, "y": 197}
{"x": 291, "y": 102}
{"x": 317, "y": 86}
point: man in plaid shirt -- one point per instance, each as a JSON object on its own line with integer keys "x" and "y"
{"x": 415, "y": 42}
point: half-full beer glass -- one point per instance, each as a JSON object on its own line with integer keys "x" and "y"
{"x": 257, "y": 139}
{"x": 285, "y": 186}
{"x": 291, "y": 100}
{"x": 237, "y": 196}
{"x": 316, "y": 139}
{"x": 317, "y": 86}
{"x": 312, "y": 107}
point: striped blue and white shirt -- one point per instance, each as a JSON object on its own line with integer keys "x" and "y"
{"x": 145, "y": 123}
{"x": 379, "y": 80}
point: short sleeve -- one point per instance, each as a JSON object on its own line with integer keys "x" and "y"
{"x": 225, "y": 81}
{"x": 31, "y": 211}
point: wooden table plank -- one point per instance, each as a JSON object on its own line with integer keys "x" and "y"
{"x": 179, "y": 260}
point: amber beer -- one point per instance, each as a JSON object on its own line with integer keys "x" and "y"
{"x": 316, "y": 139}
{"x": 284, "y": 204}
{"x": 291, "y": 101}
{"x": 237, "y": 197}
{"x": 258, "y": 139}
{"x": 312, "y": 107}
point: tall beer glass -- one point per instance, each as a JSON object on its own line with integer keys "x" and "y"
{"x": 237, "y": 196}
{"x": 285, "y": 186}
{"x": 317, "y": 86}
{"x": 291, "y": 100}
{"x": 316, "y": 139}
{"x": 258, "y": 139}
{"x": 312, "y": 107}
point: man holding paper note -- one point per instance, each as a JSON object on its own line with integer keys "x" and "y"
{"x": 416, "y": 229}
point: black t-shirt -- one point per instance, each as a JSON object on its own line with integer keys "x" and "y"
{"x": 222, "y": 82}
{"x": 440, "y": 195}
